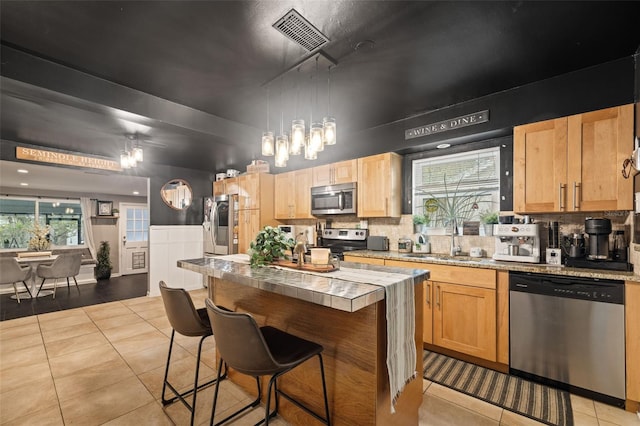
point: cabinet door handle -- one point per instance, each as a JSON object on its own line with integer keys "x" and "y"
{"x": 576, "y": 196}
{"x": 560, "y": 197}
{"x": 386, "y": 205}
{"x": 438, "y": 296}
{"x": 427, "y": 296}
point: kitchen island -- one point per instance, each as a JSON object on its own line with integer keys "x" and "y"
{"x": 347, "y": 317}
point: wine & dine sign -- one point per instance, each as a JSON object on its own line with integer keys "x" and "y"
{"x": 31, "y": 154}
{"x": 452, "y": 123}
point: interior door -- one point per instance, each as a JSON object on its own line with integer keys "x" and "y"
{"x": 134, "y": 239}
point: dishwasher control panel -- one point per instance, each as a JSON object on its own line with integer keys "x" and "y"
{"x": 592, "y": 289}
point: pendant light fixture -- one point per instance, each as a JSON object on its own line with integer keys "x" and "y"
{"x": 328, "y": 122}
{"x": 268, "y": 143}
{"x": 320, "y": 133}
{"x": 132, "y": 153}
{"x": 297, "y": 126}
{"x": 282, "y": 141}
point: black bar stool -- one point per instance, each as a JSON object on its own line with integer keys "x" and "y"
{"x": 260, "y": 351}
{"x": 188, "y": 321}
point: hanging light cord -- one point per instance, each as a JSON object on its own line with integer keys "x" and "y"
{"x": 267, "y": 129}
{"x": 328, "y": 90}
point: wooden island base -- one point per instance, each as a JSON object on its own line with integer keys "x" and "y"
{"x": 354, "y": 357}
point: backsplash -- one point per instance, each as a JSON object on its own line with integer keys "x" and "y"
{"x": 396, "y": 228}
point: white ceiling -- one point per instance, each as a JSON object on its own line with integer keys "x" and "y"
{"x": 59, "y": 179}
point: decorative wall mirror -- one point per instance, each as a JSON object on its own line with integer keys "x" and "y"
{"x": 177, "y": 194}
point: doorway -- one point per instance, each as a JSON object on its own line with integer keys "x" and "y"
{"x": 134, "y": 238}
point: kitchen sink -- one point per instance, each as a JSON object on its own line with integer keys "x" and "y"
{"x": 432, "y": 256}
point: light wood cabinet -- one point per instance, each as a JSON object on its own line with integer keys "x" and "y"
{"x": 225, "y": 186}
{"x": 367, "y": 260}
{"x": 256, "y": 209}
{"x": 248, "y": 227}
{"x": 632, "y": 328}
{"x": 336, "y": 173}
{"x": 293, "y": 195}
{"x": 256, "y": 190}
{"x": 573, "y": 163}
{"x": 380, "y": 185}
{"x": 462, "y": 303}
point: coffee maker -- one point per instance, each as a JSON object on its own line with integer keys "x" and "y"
{"x": 596, "y": 254}
{"x": 517, "y": 242}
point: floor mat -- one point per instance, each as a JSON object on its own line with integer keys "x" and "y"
{"x": 539, "y": 402}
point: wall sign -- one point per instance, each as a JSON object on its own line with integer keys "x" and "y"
{"x": 443, "y": 126}
{"x": 24, "y": 153}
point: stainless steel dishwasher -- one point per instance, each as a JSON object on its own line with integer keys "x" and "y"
{"x": 569, "y": 332}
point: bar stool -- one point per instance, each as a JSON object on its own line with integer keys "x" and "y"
{"x": 188, "y": 321}
{"x": 260, "y": 351}
{"x": 11, "y": 273}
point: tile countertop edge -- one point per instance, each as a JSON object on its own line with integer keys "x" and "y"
{"x": 326, "y": 291}
{"x": 488, "y": 263}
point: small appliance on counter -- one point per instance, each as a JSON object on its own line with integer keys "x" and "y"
{"x": 421, "y": 243}
{"x": 289, "y": 231}
{"x": 517, "y": 243}
{"x": 595, "y": 252}
{"x": 405, "y": 245}
{"x": 377, "y": 243}
{"x": 554, "y": 252}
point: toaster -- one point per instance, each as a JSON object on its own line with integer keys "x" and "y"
{"x": 405, "y": 245}
{"x": 377, "y": 243}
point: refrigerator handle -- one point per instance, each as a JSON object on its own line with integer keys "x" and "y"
{"x": 214, "y": 224}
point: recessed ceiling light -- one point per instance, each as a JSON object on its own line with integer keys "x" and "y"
{"x": 24, "y": 184}
{"x": 23, "y": 171}
{"x": 136, "y": 193}
{"x": 443, "y": 145}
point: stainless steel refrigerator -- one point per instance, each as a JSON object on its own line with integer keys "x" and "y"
{"x": 220, "y": 225}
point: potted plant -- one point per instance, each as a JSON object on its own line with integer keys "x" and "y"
{"x": 270, "y": 244}
{"x": 115, "y": 212}
{"x": 420, "y": 222}
{"x": 488, "y": 218}
{"x": 40, "y": 237}
{"x": 103, "y": 266}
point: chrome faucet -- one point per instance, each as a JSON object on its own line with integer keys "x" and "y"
{"x": 455, "y": 250}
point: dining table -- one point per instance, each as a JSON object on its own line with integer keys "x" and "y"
{"x": 34, "y": 261}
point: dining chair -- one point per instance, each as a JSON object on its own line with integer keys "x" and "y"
{"x": 66, "y": 265}
{"x": 11, "y": 272}
{"x": 261, "y": 351}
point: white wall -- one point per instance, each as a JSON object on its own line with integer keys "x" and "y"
{"x": 167, "y": 245}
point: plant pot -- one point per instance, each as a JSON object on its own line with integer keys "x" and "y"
{"x": 488, "y": 229}
{"x": 420, "y": 229}
{"x": 102, "y": 273}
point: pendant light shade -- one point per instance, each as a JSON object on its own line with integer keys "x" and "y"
{"x": 309, "y": 152}
{"x": 282, "y": 150}
{"x": 316, "y": 136}
{"x": 329, "y": 130}
{"x": 297, "y": 137}
{"x": 124, "y": 160}
{"x": 137, "y": 154}
{"x": 268, "y": 144}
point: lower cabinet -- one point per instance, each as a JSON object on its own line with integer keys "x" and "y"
{"x": 464, "y": 319}
{"x": 460, "y": 308}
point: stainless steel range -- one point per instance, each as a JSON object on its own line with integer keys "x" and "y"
{"x": 343, "y": 240}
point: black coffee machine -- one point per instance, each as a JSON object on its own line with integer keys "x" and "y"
{"x": 596, "y": 253}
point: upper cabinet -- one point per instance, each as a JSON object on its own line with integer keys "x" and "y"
{"x": 293, "y": 195}
{"x": 379, "y": 185}
{"x": 574, "y": 163}
{"x": 225, "y": 186}
{"x": 255, "y": 191}
{"x": 336, "y": 173}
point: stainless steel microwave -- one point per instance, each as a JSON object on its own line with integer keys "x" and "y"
{"x": 334, "y": 199}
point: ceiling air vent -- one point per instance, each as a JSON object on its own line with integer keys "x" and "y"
{"x": 295, "y": 27}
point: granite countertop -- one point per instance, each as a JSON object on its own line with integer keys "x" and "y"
{"x": 488, "y": 263}
{"x": 322, "y": 289}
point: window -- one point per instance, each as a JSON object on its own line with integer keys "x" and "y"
{"x": 17, "y": 216}
{"x": 137, "y": 224}
{"x": 472, "y": 179}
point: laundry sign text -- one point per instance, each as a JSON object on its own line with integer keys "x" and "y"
{"x": 445, "y": 125}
